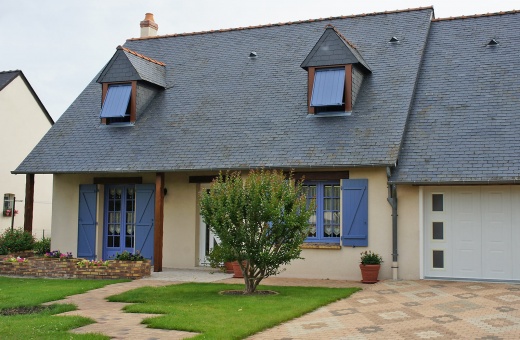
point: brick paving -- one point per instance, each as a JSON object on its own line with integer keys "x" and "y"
{"x": 413, "y": 310}
{"x": 387, "y": 310}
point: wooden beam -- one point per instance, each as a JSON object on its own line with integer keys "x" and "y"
{"x": 29, "y": 203}
{"x": 159, "y": 219}
{"x": 310, "y": 84}
{"x": 201, "y": 179}
{"x": 321, "y": 175}
{"x": 104, "y": 90}
{"x": 118, "y": 180}
{"x": 133, "y": 104}
{"x": 348, "y": 88}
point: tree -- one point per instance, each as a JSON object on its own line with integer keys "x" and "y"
{"x": 261, "y": 221}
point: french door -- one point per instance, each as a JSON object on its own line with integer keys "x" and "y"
{"x": 119, "y": 231}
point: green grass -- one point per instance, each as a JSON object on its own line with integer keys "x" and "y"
{"x": 16, "y": 292}
{"x": 197, "y": 307}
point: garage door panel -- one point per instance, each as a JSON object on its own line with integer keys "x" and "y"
{"x": 496, "y": 232}
{"x": 466, "y": 241}
{"x": 482, "y": 232}
{"x": 515, "y": 232}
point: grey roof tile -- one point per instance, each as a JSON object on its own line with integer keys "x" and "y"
{"x": 464, "y": 126}
{"x": 224, "y": 110}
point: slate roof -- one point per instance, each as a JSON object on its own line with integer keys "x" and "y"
{"x": 333, "y": 49}
{"x": 6, "y": 77}
{"x": 224, "y": 110}
{"x": 465, "y": 122}
{"x": 128, "y": 65}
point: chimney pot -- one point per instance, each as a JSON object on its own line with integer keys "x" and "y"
{"x": 148, "y": 26}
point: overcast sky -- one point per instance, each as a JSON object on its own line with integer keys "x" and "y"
{"x": 60, "y": 45}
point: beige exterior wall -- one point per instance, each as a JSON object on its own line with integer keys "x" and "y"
{"x": 181, "y": 227}
{"x": 23, "y": 125}
{"x": 409, "y": 225}
{"x": 343, "y": 264}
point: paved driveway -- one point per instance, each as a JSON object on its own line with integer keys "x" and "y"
{"x": 413, "y": 310}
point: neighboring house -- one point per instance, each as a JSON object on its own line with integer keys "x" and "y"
{"x": 24, "y": 122}
{"x": 401, "y": 125}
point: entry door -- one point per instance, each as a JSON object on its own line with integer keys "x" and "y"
{"x": 119, "y": 231}
{"x": 207, "y": 241}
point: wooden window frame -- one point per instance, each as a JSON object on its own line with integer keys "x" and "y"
{"x": 133, "y": 98}
{"x": 320, "y": 208}
{"x": 347, "y": 89}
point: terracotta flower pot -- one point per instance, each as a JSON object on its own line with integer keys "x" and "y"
{"x": 229, "y": 267}
{"x": 237, "y": 270}
{"x": 369, "y": 272}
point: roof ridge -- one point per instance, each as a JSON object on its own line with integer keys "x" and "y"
{"x": 287, "y": 23}
{"x": 141, "y": 55}
{"x": 515, "y": 11}
{"x": 10, "y": 71}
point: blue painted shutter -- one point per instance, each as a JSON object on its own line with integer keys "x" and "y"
{"x": 116, "y": 101}
{"x": 328, "y": 87}
{"x": 87, "y": 221}
{"x": 144, "y": 219}
{"x": 355, "y": 212}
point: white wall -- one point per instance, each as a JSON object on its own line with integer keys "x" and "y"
{"x": 23, "y": 125}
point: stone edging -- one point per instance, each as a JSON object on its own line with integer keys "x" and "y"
{"x": 68, "y": 268}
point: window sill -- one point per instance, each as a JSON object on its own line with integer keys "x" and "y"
{"x": 330, "y": 114}
{"x": 317, "y": 245}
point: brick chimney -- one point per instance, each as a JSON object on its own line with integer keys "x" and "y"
{"x": 148, "y": 26}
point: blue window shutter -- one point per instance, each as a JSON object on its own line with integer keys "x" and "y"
{"x": 328, "y": 87}
{"x": 116, "y": 101}
{"x": 355, "y": 212}
{"x": 87, "y": 221}
{"x": 144, "y": 219}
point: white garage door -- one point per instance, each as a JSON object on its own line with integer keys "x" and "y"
{"x": 472, "y": 232}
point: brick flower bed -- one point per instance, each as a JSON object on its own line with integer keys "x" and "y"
{"x": 68, "y": 268}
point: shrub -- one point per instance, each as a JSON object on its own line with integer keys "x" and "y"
{"x": 12, "y": 241}
{"x": 126, "y": 256}
{"x": 261, "y": 221}
{"x": 43, "y": 246}
{"x": 217, "y": 256}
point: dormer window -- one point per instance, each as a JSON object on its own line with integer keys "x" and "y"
{"x": 129, "y": 83}
{"x": 118, "y": 103}
{"x": 335, "y": 73}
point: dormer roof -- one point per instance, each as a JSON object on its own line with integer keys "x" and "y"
{"x": 334, "y": 49}
{"x": 128, "y": 65}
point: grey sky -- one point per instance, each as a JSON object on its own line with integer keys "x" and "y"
{"x": 60, "y": 45}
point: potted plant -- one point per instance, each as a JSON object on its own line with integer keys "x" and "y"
{"x": 217, "y": 257}
{"x": 370, "y": 265}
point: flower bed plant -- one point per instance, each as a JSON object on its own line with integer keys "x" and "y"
{"x": 56, "y": 254}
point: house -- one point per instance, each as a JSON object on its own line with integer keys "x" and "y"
{"x": 24, "y": 122}
{"x": 403, "y": 126}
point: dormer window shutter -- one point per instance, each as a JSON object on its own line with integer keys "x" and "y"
{"x": 116, "y": 101}
{"x": 328, "y": 87}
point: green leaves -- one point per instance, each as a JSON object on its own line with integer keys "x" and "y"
{"x": 261, "y": 219}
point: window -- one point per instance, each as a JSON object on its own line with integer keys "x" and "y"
{"x": 325, "y": 224}
{"x": 437, "y": 202}
{"x": 438, "y": 259}
{"x": 438, "y": 230}
{"x": 118, "y": 104}
{"x": 330, "y": 89}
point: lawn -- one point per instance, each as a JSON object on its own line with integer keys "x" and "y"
{"x": 198, "y": 307}
{"x": 27, "y": 293}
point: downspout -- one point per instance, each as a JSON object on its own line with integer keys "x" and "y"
{"x": 392, "y": 200}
